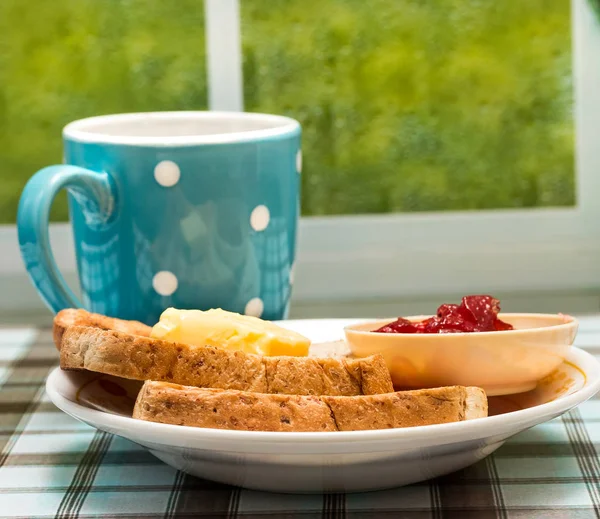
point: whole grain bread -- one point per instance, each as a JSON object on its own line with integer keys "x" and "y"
{"x": 241, "y": 410}
{"x": 78, "y": 317}
{"x": 143, "y": 358}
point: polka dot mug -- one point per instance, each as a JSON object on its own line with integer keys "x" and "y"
{"x": 183, "y": 209}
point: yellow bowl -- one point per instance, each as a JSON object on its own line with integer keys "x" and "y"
{"x": 501, "y": 363}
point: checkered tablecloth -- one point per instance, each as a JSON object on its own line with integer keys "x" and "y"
{"x": 54, "y": 466}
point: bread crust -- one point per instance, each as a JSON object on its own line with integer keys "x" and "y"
{"x": 79, "y": 317}
{"x": 143, "y": 358}
{"x": 241, "y": 410}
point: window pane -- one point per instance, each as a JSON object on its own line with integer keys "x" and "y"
{"x": 69, "y": 59}
{"x": 419, "y": 106}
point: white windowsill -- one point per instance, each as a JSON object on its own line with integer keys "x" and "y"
{"x": 346, "y": 267}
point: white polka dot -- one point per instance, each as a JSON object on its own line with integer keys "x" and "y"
{"x": 259, "y": 219}
{"x": 254, "y": 307}
{"x": 167, "y": 173}
{"x": 299, "y": 161}
{"x": 165, "y": 283}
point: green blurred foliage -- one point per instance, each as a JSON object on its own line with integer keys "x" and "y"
{"x": 406, "y": 105}
{"x": 67, "y": 59}
{"x": 419, "y": 106}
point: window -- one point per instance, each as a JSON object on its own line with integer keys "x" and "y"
{"x": 426, "y": 112}
{"x": 419, "y": 106}
{"x": 448, "y": 146}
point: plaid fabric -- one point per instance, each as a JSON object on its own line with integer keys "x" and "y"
{"x": 54, "y": 466}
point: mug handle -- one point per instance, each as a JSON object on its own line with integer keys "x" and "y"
{"x": 93, "y": 191}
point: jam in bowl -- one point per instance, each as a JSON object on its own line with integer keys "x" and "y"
{"x": 509, "y": 358}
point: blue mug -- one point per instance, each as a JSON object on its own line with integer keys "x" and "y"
{"x": 183, "y": 209}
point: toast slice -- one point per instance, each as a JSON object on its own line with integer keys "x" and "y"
{"x": 143, "y": 358}
{"x": 77, "y": 317}
{"x": 240, "y": 410}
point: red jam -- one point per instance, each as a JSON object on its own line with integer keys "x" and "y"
{"x": 474, "y": 314}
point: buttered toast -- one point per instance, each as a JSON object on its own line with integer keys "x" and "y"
{"x": 204, "y": 385}
{"x": 220, "y": 409}
{"x": 142, "y": 358}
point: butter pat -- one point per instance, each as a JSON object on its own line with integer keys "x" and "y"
{"x": 230, "y": 331}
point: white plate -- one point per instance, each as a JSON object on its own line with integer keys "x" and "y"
{"x": 330, "y": 461}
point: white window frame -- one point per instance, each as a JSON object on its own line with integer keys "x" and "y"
{"x": 406, "y": 255}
